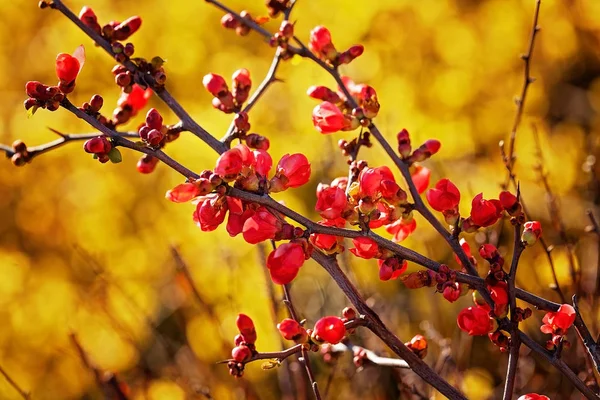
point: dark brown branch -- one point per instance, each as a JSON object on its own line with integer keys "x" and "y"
{"x": 515, "y": 342}
{"x": 375, "y": 324}
{"x": 64, "y": 138}
{"x": 560, "y": 365}
{"x": 187, "y": 121}
{"x": 591, "y": 347}
{"x": 109, "y": 384}
{"x": 527, "y": 80}
{"x": 24, "y": 394}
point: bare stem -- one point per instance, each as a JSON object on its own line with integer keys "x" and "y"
{"x": 24, "y": 394}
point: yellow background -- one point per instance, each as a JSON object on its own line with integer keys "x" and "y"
{"x": 85, "y": 248}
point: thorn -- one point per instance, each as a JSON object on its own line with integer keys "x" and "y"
{"x": 62, "y": 135}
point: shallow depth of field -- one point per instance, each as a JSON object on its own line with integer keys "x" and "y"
{"x": 94, "y": 249}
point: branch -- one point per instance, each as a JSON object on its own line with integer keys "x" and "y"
{"x": 64, "y": 139}
{"x": 187, "y": 121}
{"x": 25, "y": 395}
{"x": 527, "y": 80}
{"x": 371, "y": 356}
{"x": 592, "y": 348}
{"x": 515, "y": 342}
{"x": 375, "y": 324}
{"x": 560, "y": 365}
{"x": 109, "y": 385}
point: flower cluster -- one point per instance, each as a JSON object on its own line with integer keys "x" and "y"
{"x": 49, "y": 97}
{"x": 557, "y": 323}
{"x": 321, "y": 44}
{"x": 244, "y": 345}
{"x": 226, "y": 100}
{"x": 337, "y": 113}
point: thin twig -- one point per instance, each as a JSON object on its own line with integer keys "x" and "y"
{"x": 592, "y": 348}
{"x": 371, "y": 356}
{"x": 24, "y": 394}
{"x": 560, "y": 365}
{"x": 62, "y": 140}
{"x": 515, "y": 342}
{"x": 109, "y": 385}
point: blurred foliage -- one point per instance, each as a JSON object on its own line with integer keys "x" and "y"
{"x": 85, "y": 248}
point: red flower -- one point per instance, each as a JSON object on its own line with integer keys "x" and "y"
{"x": 136, "y": 99}
{"x": 294, "y": 167}
{"x": 246, "y": 327}
{"x": 183, "y": 193}
{"x": 444, "y": 196}
{"x": 215, "y": 84}
{"x": 466, "y": 248}
{"x": 451, "y": 292}
{"x": 499, "y": 294}
{"x": 329, "y": 243}
{"x": 290, "y": 329}
{"x": 328, "y": 118}
{"x": 365, "y": 247}
{"x": 241, "y": 354}
{"x": 532, "y": 231}
{"x": 263, "y": 163}
{"x": 320, "y": 39}
{"x": 420, "y": 177}
{"x": 370, "y": 181}
{"x": 401, "y": 229}
{"x": 323, "y": 93}
{"x": 261, "y": 226}
{"x": 474, "y": 321}
{"x": 238, "y": 214}
{"x": 97, "y": 145}
{"x": 127, "y": 28}
{"x": 485, "y": 212}
{"x": 533, "y": 396}
{"x": 285, "y": 262}
{"x": 391, "y": 268}
{"x": 329, "y": 329}
{"x": 68, "y": 66}
{"x": 146, "y": 164}
{"x": 507, "y": 200}
{"x": 210, "y": 213}
{"x": 232, "y": 162}
{"x": 331, "y": 201}
{"x": 560, "y": 321}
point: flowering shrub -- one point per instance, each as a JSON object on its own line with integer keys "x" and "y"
{"x": 369, "y": 206}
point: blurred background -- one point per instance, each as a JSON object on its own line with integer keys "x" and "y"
{"x": 93, "y": 253}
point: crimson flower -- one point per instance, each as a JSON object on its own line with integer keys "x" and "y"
{"x": 401, "y": 229}
{"x": 329, "y": 329}
{"x": 560, "y": 321}
{"x": 68, "y": 66}
{"x": 215, "y": 84}
{"x": 420, "y": 177}
{"x": 320, "y": 40}
{"x": 246, "y": 327}
{"x": 370, "y": 181}
{"x": 290, "y": 329}
{"x": 533, "y": 396}
{"x": 182, "y": 193}
{"x": 331, "y": 201}
{"x": 532, "y": 231}
{"x": 261, "y": 226}
{"x": 499, "y": 293}
{"x": 485, "y": 212}
{"x": 365, "y": 247}
{"x": 263, "y": 163}
{"x": 210, "y": 213}
{"x": 296, "y": 168}
{"x": 475, "y": 321}
{"x": 136, "y": 99}
{"x": 444, "y": 196}
{"x": 391, "y": 268}
{"x": 451, "y": 292}
{"x": 238, "y": 214}
{"x": 328, "y": 118}
{"x": 285, "y": 262}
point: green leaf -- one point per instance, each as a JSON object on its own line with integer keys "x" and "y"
{"x": 114, "y": 155}
{"x": 157, "y": 62}
{"x": 32, "y": 111}
{"x": 270, "y": 364}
